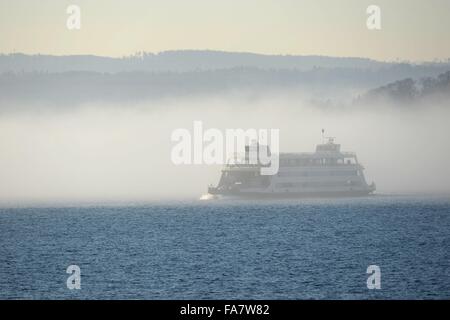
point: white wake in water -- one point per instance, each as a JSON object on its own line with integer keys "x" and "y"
{"x": 208, "y": 197}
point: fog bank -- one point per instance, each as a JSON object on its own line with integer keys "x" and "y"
{"x": 112, "y": 153}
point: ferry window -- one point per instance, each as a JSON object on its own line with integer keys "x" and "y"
{"x": 285, "y": 185}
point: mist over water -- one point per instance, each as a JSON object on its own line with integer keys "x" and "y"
{"x": 114, "y": 153}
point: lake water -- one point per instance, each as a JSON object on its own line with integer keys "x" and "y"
{"x": 230, "y": 249}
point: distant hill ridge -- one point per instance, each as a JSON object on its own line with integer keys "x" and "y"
{"x": 81, "y": 79}
{"x": 407, "y": 91}
{"x": 179, "y": 61}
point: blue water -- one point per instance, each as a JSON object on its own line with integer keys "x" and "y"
{"x": 305, "y": 249}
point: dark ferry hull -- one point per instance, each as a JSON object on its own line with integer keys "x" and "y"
{"x": 290, "y": 195}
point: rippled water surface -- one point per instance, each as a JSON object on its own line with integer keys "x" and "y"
{"x": 300, "y": 249}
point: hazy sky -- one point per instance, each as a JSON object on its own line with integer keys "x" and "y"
{"x": 411, "y": 29}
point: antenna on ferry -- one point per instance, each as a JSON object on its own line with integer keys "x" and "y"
{"x": 323, "y": 136}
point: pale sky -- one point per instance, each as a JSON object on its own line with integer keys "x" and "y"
{"x": 415, "y": 30}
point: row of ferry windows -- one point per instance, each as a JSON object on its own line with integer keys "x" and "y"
{"x": 314, "y": 162}
{"x": 317, "y": 173}
{"x": 318, "y": 184}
